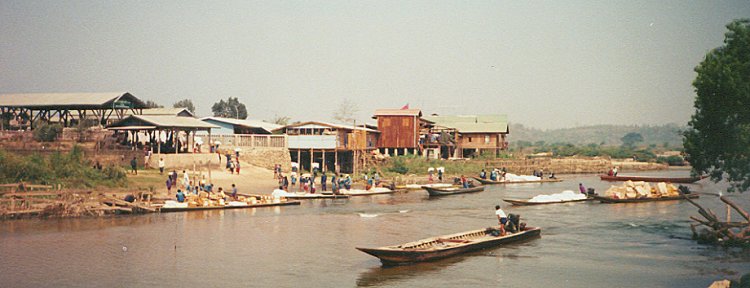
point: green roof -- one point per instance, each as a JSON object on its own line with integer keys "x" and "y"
{"x": 494, "y": 123}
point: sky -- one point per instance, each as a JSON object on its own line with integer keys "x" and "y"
{"x": 546, "y": 64}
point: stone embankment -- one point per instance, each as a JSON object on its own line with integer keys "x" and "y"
{"x": 571, "y": 165}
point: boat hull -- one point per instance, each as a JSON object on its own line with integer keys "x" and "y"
{"x": 185, "y": 209}
{"x": 610, "y": 200}
{"x": 445, "y": 192}
{"x": 684, "y": 180}
{"x": 490, "y": 182}
{"x": 389, "y": 256}
{"x": 527, "y": 203}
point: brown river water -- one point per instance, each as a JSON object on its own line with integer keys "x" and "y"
{"x": 312, "y": 245}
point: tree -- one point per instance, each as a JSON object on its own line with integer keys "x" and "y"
{"x": 630, "y": 139}
{"x": 280, "y": 120}
{"x": 232, "y": 108}
{"x": 346, "y": 111}
{"x": 717, "y": 140}
{"x": 185, "y": 103}
{"x": 152, "y": 104}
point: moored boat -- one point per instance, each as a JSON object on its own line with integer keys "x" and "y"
{"x": 520, "y": 202}
{"x": 652, "y": 179}
{"x": 611, "y": 200}
{"x": 184, "y": 208}
{"x": 434, "y": 248}
{"x": 451, "y": 191}
{"x": 491, "y": 182}
{"x": 419, "y": 186}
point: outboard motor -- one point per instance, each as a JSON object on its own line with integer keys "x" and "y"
{"x": 591, "y": 191}
{"x": 513, "y": 223}
{"x": 684, "y": 189}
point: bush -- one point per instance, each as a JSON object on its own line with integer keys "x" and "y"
{"x": 47, "y": 132}
{"x": 398, "y": 166}
{"x": 672, "y": 160}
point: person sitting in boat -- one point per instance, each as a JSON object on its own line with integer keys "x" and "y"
{"x": 611, "y": 172}
{"x": 376, "y": 177}
{"x": 582, "y": 188}
{"x": 552, "y": 175}
{"x": 234, "y": 192}
{"x": 464, "y": 183}
{"x": 614, "y": 171}
{"x": 370, "y": 182}
{"x": 180, "y": 196}
{"x": 483, "y": 174}
{"x": 348, "y": 182}
{"x": 278, "y": 193}
{"x": 493, "y": 174}
{"x": 501, "y": 219}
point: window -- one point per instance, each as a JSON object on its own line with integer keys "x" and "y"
{"x": 469, "y": 139}
{"x": 486, "y": 139}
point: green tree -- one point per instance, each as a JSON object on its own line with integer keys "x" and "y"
{"x": 232, "y": 108}
{"x": 630, "y": 139}
{"x": 717, "y": 140}
{"x": 185, "y": 103}
{"x": 152, "y": 104}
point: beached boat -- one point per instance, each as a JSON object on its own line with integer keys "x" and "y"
{"x": 304, "y": 195}
{"x": 451, "y": 191}
{"x": 652, "y": 179}
{"x": 610, "y": 200}
{"x": 490, "y": 182}
{"x": 520, "y": 202}
{"x": 445, "y": 246}
{"x": 363, "y": 192}
{"x": 419, "y": 186}
{"x": 184, "y": 208}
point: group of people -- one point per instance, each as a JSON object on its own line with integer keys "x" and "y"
{"x": 540, "y": 174}
{"x": 495, "y": 174}
{"x": 431, "y": 172}
{"x": 232, "y": 161}
{"x": 612, "y": 171}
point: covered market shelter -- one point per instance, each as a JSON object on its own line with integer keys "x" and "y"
{"x": 163, "y": 133}
{"x": 20, "y": 111}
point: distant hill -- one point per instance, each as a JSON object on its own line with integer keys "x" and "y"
{"x": 599, "y": 134}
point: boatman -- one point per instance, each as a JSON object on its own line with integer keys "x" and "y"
{"x": 501, "y": 219}
{"x": 483, "y": 174}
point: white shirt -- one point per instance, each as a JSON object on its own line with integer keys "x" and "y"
{"x": 501, "y": 213}
{"x": 161, "y": 163}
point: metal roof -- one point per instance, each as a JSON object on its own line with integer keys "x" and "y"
{"x": 332, "y": 125}
{"x": 42, "y": 100}
{"x": 161, "y": 121}
{"x": 246, "y": 123}
{"x": 166, "y": 111}
{"x": 398, "y": 112}
{"x": 494, "y": 123}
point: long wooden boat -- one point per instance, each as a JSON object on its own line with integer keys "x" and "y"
{"x": 520, "y": 202}
{"x": 419, "y": 186}
{"x": 491, "y": 182}
{"x": 362, "y": 192}
{"x": 434, "y": 248}
{"x": 610, "y": 200}
{"x": 184, "y": 209}
{"x": 652, "y": 179}
{"x": 314, "y": 196}
{"x": 451, "y": 191}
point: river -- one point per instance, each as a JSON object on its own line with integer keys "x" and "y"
{"x": 312, "y": 245}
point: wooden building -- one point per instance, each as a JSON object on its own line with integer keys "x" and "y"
{"x": 20, "y": 111}
{"x": 331, "y": 147}
{"x": 230, "y": 126}
{"x": 400, "y": 130}
{"x": 164, "y": 133}
{"x": 466, "y": 136}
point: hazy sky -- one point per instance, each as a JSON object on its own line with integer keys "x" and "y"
{"x": 545, "y": 64}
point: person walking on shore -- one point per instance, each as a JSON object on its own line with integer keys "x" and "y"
{"x": 134, "y": 165}
{"x": 161, "y": 166}
{"x": 323, "y": 178}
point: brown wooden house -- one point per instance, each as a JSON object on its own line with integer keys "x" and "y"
{"x": 468, "y": 135}
{"x": 400, "y": 130}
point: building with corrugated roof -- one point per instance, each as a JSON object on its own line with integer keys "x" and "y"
{"x": 465, "y": 136}
{"x": 330, "y": 146}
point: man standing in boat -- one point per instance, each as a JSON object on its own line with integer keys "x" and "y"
{"x": 501, "y": 219}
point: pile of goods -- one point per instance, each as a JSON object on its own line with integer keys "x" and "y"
{"x": 566, "y": 195}
{"x": 510, "y": 177}
{"x": 63, "y": 204}
{"x": 204, "y": 199}
{"x": 640, "y": 189}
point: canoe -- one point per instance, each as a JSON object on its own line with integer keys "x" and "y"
{"x": 520, "y": 202}
{"x": 362, "y": 192}
{"x": 184, "y": 209}
{"x": 419, "y": 186}
{"x": 445, "y": 246}
{"x": 314, "y": 196}
{"x": 490, "y": 182}
{"x": 610, "y": 200}
{"x": 652, "y": 179}
{"x": 451, "y": 191}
